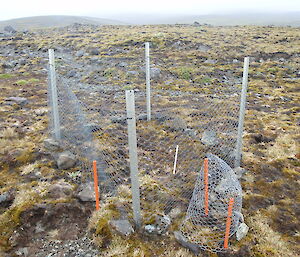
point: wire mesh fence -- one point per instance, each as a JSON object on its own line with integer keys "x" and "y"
{"x": 185, "y": 126}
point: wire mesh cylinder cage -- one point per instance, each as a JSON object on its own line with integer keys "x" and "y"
{"x": 214, "y": 211}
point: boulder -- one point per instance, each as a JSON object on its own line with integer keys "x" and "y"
{"x": 94, "y": 51}
{"x": 242, "y": 231}
{"x": 175, "y": 213}
{"x": 51, "y": 144}
{"x": 209, "y": 138}
{"x": 60, "y": 190}
{"x": 123, "y": 64}
{"x": 203, "y": 48}
{"x": 86, "y": 192}
{"x": 122, "y": 226}
{"x": 155, "y": 73}
{"x": 239, "y": 172}
{"x": 132, "y": 73}
{"x": 80, "y": 53}
{"x": 17, "y": 100}
{"x": 118, "y": 119}
{"x": 162, "y": 223}
{"x": 66, "y": 160}
{"x": 150, "y": 229}
{"x": 22, "y": 252}
{"x": 71, "y": 74}
{"x": 7, "y": 198}
{"x": 210, "y": 61}
{"x": 177, "y": 124}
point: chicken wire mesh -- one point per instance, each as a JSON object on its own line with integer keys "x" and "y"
{"x": 94, "y": 126}
{"x": 81, "y": 134}
{"x": 206, "y": 218}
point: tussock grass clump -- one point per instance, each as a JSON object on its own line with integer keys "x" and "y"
{"x": 270, "y": 242}
{"x": 28, "y": 195}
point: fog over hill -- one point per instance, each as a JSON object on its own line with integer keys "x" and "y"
{"x": 242, "y": 18}
{"x": 40, "y": 22}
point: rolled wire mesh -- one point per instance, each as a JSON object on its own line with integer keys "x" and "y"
{"x": 205, "y": 221}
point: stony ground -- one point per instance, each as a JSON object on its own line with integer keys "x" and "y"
{"x": 41, "y": 213}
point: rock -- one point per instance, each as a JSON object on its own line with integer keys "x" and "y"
{"x": 203, "y": 48}
{"x": 224, "y": 185}
{"x": 9, "y": 29}
{"x": 162, "y": 224}
{"x": 66, "y": 160}
{"x": 242, "y": 231}
{"x": 3, "y": 197}
{"x": 175, "y": 213}
{"x": 177, "y": 124}
{"x": 60, "y": 190}
{"x": 22, "y": 252}
{"x": 239, "y": 216}
{"x": 184, "y": 242}
{"x": 80, "y": 53}
{"x": 16, "y": 99}
{"x": 92, "y": 127}
{"x": 142, "y": 117}
{"x": 118, "y": 119}
{"x": 239, "y": 172}
{"x": 86, "y": 192}
{"x": 123, "y": 64}
{"x": 191, "y": 132}
{"x": 122, "y": 226}
{"x": 71, "y": 74}
{"x": 51, "y": 144}
{"x": 209, "y": 138}
{"x": 22, "y": 62}
{"x": 150, "y": 229}
{"x": 155, "y": 73}
{"x": 41, "y": 111}
{"x": 7, "y": 198}
{"x": 210, "y": 61}
{"x": 259, "y": 138}
{"x": 132, "y": 72}
{"x": 94, "y": 51}
{"x": 196, "y": 23}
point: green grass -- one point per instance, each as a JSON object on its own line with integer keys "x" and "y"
{"x": 33, "y": 80}
{"x": 6, "y": 76}
{"x": 22, "y": 82}
{"x": 203, "y": 80}
{"x": 184, "y": 73}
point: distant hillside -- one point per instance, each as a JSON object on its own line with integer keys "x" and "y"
{"x": 40, "y": 22}
{"x": 279, "y": 19}
{"x": 276, "y": 19}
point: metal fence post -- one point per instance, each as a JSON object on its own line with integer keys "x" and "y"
{"x": 238, "y": 150}
{"x": 53, "y": 99}
{"x": 148, "y": 88}
{"x": 132, "y": 142}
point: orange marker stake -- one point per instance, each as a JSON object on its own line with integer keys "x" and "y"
{"x": 228, "y": 222}
{"x": 96, "y": 184}
{"x": 206, "y": 186}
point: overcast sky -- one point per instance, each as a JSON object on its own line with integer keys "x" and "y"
{"x": 112, "y": 8}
